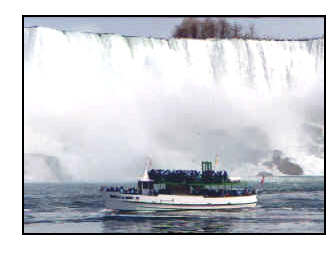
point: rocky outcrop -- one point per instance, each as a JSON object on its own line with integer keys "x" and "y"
{"x": 264, "y": 174}
{"x": 284, "y": 165}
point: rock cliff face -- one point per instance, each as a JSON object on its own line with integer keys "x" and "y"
{"x": 284, "y": 165}
{"x": 43, "y": 168}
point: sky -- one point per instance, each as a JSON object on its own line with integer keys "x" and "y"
{"x": 163, "y": 27}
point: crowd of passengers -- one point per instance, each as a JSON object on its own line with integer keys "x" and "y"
{"x": 203, "y": 191}
{"x": 188, "y": 175}
{"x": 121, "y": 189}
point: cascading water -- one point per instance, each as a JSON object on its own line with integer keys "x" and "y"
{"x": 101, "y": 103}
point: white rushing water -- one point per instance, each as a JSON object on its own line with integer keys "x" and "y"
{"x": 101, "y": 103}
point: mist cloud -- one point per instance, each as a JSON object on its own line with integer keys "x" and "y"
{"x": 102, "y": 104}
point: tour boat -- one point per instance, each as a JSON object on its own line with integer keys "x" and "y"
{"x": 164, "y": 190}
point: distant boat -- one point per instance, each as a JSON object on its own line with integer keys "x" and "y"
{"x": 159, "y": 190}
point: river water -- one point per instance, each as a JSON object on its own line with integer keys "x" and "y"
{"x": 285, "y": 205}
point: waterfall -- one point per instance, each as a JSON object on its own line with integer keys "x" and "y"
{"x": 101, "y": 103}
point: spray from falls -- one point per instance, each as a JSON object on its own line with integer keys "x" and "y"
{"x": 101, "y": 103}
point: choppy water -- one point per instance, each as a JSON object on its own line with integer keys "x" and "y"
{"x": 286, "y": 205}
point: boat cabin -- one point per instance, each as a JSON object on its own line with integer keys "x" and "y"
{"x": 187, "y": 182}
{"x": 145, "y": 184}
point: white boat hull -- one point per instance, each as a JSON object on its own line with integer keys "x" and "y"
{"x": 161, "y": 202}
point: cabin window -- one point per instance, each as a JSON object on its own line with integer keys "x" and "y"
{"x": 147, "y": 185}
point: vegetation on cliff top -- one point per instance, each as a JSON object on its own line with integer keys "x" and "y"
{"x": 196, "y": 28}
{"x": 220, "y": 28}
